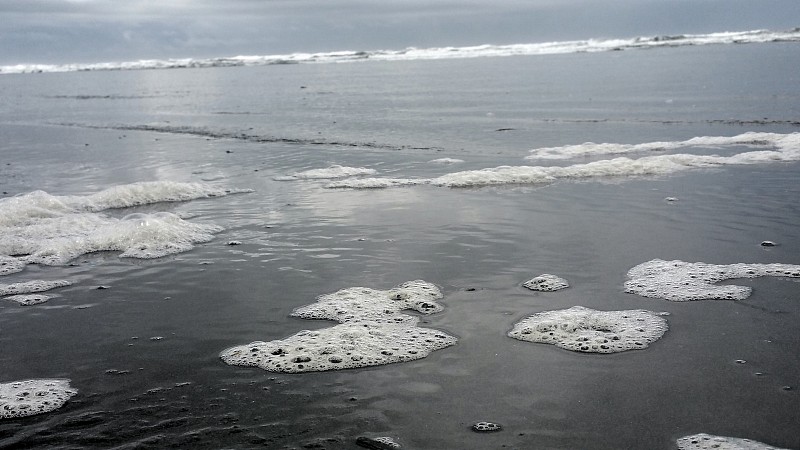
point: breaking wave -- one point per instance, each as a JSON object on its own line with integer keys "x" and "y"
{"x": 412, "y": 53}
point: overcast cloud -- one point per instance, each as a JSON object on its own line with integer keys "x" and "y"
{"x": 64, "y": 31}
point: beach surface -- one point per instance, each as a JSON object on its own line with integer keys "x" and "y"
{"x": 140, "y": 339}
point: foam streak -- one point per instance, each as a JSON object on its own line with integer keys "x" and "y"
{"x": 412, "y": 53}
{"x": 773, "y": 147}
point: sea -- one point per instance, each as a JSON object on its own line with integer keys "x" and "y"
{"x": 180, "y": 208}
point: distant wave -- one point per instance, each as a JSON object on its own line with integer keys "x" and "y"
{"x": 411, "y": 53}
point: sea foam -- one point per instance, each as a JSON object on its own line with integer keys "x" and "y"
{"x": 703, "y": 441}
{"x": 587, "y": 330}
{"x": 29, "y": 397}
{"x": 29, "y": 287}
{"x": 371, "y": 331}
{"x": 40, "y": 228}
{"x": 331, "y": 172}
{"x": 546, "y": 282}
{"x": 751, "y": 139}
{"x": 681, "y": 281}
{"x": 773, "y": 148}
{"x": 412, "y": 53}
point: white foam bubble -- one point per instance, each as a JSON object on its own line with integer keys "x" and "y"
{"x": 587, "y": 330}
{"x": 29, "y": 299}
{"x": 29, "y": 397}
{"x": 682, "y": 281}
{"x": 703, "y": 441}
{"x": 29, "y": 287}
{"x": 371, "y": 331}
{"x": 331, "y": 172}
{"x": 46, "y": 229}
{"x": 546, "y": 282}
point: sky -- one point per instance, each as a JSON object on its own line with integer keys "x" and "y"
{"x": 88, "y": 31}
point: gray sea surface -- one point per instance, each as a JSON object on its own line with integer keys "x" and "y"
{"x": 144, "y": 352}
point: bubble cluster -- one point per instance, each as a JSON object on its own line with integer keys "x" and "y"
{"x": 703, "y": 441}
{"x": 546, "y": 282}
{"x": 10, "y": 264}
{"x": 359, "y": 304}
{"x": 29, "y": 299}
{"x": 378, "y": 443}
{"x": 486, "y": 427}
{"x": 750, "y": 139}
{"x": 583, "y": 329}
{"x": 371, "y": 331}
{"x": 29, "y": 397}
{"x": 681, "y": 281}
{"x": 29, "y": 287}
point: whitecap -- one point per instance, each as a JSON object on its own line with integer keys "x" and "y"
{"x": 433, "y": 53}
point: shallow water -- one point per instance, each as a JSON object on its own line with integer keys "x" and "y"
{"x": 78, "y": 133}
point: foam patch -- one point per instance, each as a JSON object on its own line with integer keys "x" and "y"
{"x": 376, "y": 183}
{"x": 546, "y": 282}
{"x": 344, "y": 346}
{"x": 39, "y": 204}
{"x": 704, "y": 441}
{"x": 9, "y": 264}
{"x": 486, "y": 427}
{"x": 331, "y": 172}
{"x": 29, "y": 299}
{"x": 378, "y": 443}
{"x": 749, "y": 139}
{"x": 371, "y": 332}
{"x": 680, "y": 281}
{"x": 359, "y": 304}
{"x": 771, "y": 148}
{"x": 30, "y": 287}
{"x": 29, "y": 397}
{"x": 145, "y": 193}
{"x": 586, "y": 330}
{"x": 39, "y": 228}
{"x": 446, "y": 161}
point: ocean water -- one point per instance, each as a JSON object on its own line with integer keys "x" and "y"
{"x": 140, "y": 339}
